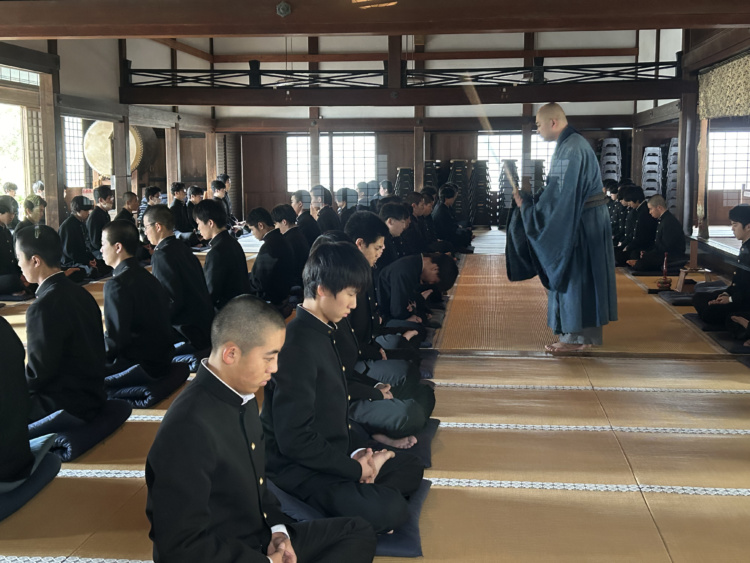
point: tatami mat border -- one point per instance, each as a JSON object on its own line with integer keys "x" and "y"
{"x": 16, "y": 559}
{"x": 563, "y": 428}
{"x": 590, "y": 388}
{"x": 146, "y": 417}
{"x": 103, "y": 473}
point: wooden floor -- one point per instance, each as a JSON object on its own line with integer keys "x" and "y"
{"x": 638, "y": 453}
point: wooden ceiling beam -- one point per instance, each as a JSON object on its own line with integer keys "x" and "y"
{"x": 716, "y": 48}
{"x": 394, "y": 97}
{"x": 177, "y": 46}
{"x": 44, "y": 19}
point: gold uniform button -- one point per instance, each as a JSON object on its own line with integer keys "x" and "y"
{"x": 343, "y": 368}
{"x": 265, "y": 515}
{"x": 252, "y": 446}
{"x": 350, "y": 427}
{"x": 349, "y": 397}
{"x": 261, "y": 480}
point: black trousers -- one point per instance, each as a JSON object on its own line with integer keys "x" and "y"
{"x": 383, "y": 503}
{"x": 713, "y": 314}
{"x": 10, "y": 283}
{"x": 333, "y": 540}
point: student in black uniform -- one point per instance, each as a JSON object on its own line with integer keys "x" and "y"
{"x": 77, "y": 249}
{"x": 136, "y": 307}
{"x": 346, "y": 201}
{"x": 396, "y": 218}
{"x": 227, "y": 181}
{"x": 412, "y": 239}
{"x": 626, "y": 224}
{"x": 33, "y": 207}
{"x": 715, "y": 307}
{"x": 284, "y": 220}
{"x": 272, "y": 275}
{"x": 363, "y": 202}
{"x": 99, "y": 216}
{"x": 183, "y": 228}
{"x": 305, "y": 222}
{"x": 446, "y": 226}
{"x": 65, "y": 341}
{"x": 129, "y": 207}
{"x": 309, "y": 447}
{"x": 195, "y": 196}
{"x": 322, "y": 200}
{"x": 16, "y": 461}
{"x": 643, "y": 225}
{"x": 10, "y": 189}
{"x": 181, "y": 274}
{"x": 152, "y": 197}
{"x": 670, "y": 239}
{"x": 207, "y": 463}
{"x": 10, "y": 274}
{"x": 226, "y": 264}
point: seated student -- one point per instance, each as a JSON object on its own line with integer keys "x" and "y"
{"x": 322, "y": 200}
{"x": 625, "y": 218}
{"x": 305, "y": 414}
{"x": 227, "y": 181}
{"x": 412, "y": 239}
{"x": 136, "y": 307}
{"x": 715, "y": 307}
{"x": 273, "y": 270}
{"x": 152, "y": 197}
{"x": 11, "y": 281}
{"x": 181, "y": 274}
{"x": 610, "y": 186}
{"x": 396, "y": 218}
{"x": 195, "y": 196}
{"x": 398, "y": 285}
{"x": 183, "y": 228}
{"x": 16, "y": 461}
{"x": 301, "y": 205}
{"x": 346, "y": 200}
{"x": 33, "y": 207}
{"x": 129, "y": 207}
{"x": 427, "y": 225}
{"x": 670, "y": 239}
{"x": 374, "y": 192}
{"x": 207, "y": 463}
{"x": 446, "y": 226}
{"x": 642, "y": 232}
{"x": 226, "y": 263}
{"x": 65, "y": 341}
{"x": 11, "y": 189}
{"x": 38, "y": 188}
{"x": 363, "y": 202}
{"x": 77, "y": 250}
{"x": 284, "y": 219}
{"x": 103, "y": 202}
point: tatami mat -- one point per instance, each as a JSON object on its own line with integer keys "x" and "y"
{"x": 511, "y": 371}
{"x": 126, "y": 449}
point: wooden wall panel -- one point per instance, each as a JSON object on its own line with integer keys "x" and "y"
{"x": 450, "y": 146}
{"x": 193, "y": 160}
{"x": 264, "y": 171}
{"x": 399, "y": 150}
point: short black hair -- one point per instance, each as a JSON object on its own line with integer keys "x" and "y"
{"x": 8, "y": 204}
{"x": 195, "y": 190}
{"x": 42, "y": 241}
{"x": 223, "y": 178}
{"x": 323, "y": 193}
{"x": 395, "y": 211}
{"x": 176, "y": 187}
{"x": 152, "y": 191}
{"x": 304, "y": 197}
{"x": 283, "y": 212}
{"x": 128, "y": 197}
{"x": 33, "y": 201}
{"x": 81, "y": 203}
{"x": 447, "y": 270}
{"x": 259, "y": 215}
{"x": 9, "y": 187}
{"x": 387, "y": 186}
{"x": 335, "y": 267}
{"x": 123, "y": 232}
{"x": 367, "y": 226}
{"x": 161, "y": 214}
{"x": 448, "y": 191}
{"x": 218, "y": 185}
{"x": 362, "y": 187}
{"x": 740, "y": 214}
{"x": 347, "y": 196}
{"x": 245, "y": 320}
{"x": 430, "y": 192}
{"x": 211, "y": 210}
{"x": 632, "y": 193}
{"x": 413, "y": 198}
{"x": 330, "y": 237}
{"x": 102, "y": 192}
{"x": 610, "y": 184}
{"x": 38, "y": 186}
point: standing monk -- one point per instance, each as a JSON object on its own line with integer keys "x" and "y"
{"x": 569, "y": 230}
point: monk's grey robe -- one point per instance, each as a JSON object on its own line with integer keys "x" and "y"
{"x": 573, "y": 240}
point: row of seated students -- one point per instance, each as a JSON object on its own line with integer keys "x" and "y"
{"x": 643, "y": 231}
{"x": 66, "y": 371}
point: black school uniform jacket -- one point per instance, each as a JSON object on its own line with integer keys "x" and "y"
{"x": 181, "y": 274}
{"x": 390, "y": 253}
{"x": 328, "y": 219}
{"x": 98, "y": 218}
{"x": 183, "y": 228}
{"x": 225, "y": 269}
{"x": 397, "y": 285}
{"x": 740, "y": 288}
{"x": 669, "y": 238}
{"x": 308, "y": 226}
{"x": 208, "y": 499}
{"x": 76, "y": 245}
{"x": 644, "y": 233}
{"x": 16, "y": 461}
{"x": 272, "y": 273}
{"x": 364, "y": 320}
{"x": 190, "y": 207}
{"x": 345, "y": 214}
{"x": 305, "y": 413}
{"x": 445, "y": 223}
{"x": 125, "y": 215}
{"x": 301, "y": 250}
{"x": 136, "y": 315}
{"x": 65, "y": 347}
{"x": 360, "y": 386}
{"x": 8, "y": 261}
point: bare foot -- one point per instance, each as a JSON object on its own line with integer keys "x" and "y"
{"x": 401, "y": 443}
{"x": 562, "y": 347}
{"x": 746, "y": 343}
{"x": 742, "y": 321}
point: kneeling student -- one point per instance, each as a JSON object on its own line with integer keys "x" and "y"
{"x": 208, "y": 499}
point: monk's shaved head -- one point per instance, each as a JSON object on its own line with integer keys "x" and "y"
{"x": 552, "y": 111}
{"x": 550, "y": 121}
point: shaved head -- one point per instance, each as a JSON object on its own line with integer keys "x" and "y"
{"x": 550, "y": 121}
{"x": 552, "y": 111}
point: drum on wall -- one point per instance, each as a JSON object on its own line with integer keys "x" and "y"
{"x": 97, "y": 147}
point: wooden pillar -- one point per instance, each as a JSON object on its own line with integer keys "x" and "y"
{"x": 394, "y": 61}
{"x": 52, "y": 152}
{"x": 701, "y": 210}
{"x": 687, "y": 160}
{"x": 315, "y": 146}
{"x": 419, "y": 148}
{"x": 527, "y": 129}
{"x": 121, "y": 177}
{"x": 212, "y": 170}
{"x": 172, "y": 139}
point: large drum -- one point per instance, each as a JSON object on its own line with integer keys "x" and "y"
{"x": 97, "y": 147}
